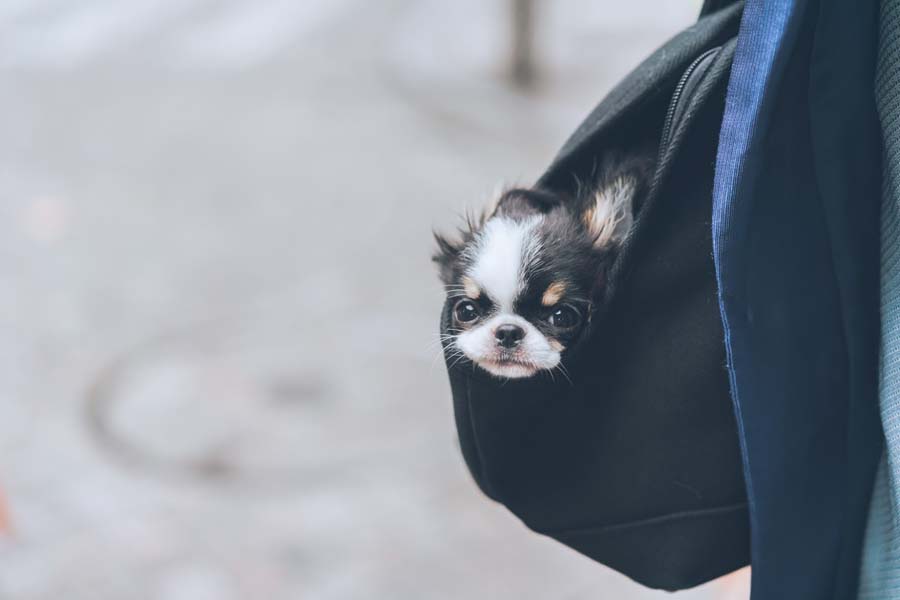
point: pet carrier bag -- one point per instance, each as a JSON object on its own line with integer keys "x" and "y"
{"x": 636, "y": 461}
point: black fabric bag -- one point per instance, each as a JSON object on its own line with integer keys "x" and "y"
{"x": 636, "y": 461}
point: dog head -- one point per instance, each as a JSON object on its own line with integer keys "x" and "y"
{"x": 523, "y": 280}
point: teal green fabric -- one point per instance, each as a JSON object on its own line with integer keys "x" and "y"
{"x": 880, "y": 571}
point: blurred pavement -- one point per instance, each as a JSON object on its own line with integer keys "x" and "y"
{"x": 219, "y": 376}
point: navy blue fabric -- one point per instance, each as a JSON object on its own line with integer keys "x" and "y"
{"x": 794, "y": 238}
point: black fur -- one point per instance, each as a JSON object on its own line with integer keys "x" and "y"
{"x": 568, "y": 250}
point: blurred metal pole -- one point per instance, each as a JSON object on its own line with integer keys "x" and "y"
{"x": 523, "y": 70}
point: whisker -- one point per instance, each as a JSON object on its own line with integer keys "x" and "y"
{"x": 455, "y": 356}
{"x": 439, "y": 341}
{"x": 458, "y": 360}
{"x": 565, "y": 372}
{"x": 437, "y": 344}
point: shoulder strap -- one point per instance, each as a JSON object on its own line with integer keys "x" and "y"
{"x": 711, "y": 6}
{"x": 652, "y": 81}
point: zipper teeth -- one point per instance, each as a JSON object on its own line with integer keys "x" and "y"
{"x": 676, "y": 96}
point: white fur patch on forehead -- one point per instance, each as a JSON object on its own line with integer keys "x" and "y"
{"x": 504, "y": 250}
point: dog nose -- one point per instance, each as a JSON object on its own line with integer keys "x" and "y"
{"x": 509, "y": 336}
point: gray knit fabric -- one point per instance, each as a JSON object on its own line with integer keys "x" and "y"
{"x": 880, "y": 573}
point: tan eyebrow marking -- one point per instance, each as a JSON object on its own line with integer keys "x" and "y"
{"x": 471, "y": 288}
{"x": 553, "y": 294}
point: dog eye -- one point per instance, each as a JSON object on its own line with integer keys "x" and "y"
{"x": 466, "y": 311}
{"x": 564, "y": 317}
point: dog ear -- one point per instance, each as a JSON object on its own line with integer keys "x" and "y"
{"x": 522, "y": 203}
{"x": 446, "y": 256}
{"x": 608, "y": 212}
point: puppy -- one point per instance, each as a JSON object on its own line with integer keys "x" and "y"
{"x": 524, "y": 278}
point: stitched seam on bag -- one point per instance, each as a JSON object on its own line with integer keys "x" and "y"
{"x": 690, "y": 514}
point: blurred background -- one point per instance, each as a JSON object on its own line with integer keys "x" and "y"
{"x": 219, "y": 374}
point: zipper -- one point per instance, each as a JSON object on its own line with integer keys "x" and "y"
{"x": 676, "y": 98}
{"x": 687, "y": 84}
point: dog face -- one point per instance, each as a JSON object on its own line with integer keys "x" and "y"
{"x": 523, "y": 281}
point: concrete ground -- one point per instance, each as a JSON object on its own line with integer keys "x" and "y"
{"x": 218, "y": 371}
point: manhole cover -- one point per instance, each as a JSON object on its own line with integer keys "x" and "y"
{"x": 265, "y": 397}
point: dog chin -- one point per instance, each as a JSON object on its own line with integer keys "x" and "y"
{"x": 508, "y": 369}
